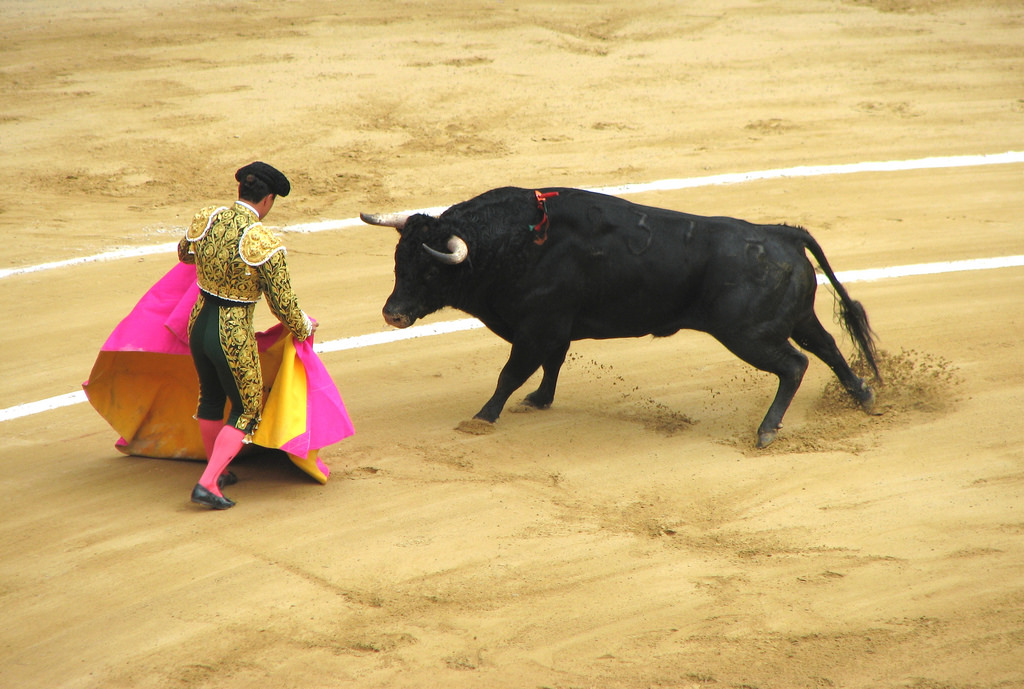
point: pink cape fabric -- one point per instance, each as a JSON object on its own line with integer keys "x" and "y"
{"x": 145, "y": 385}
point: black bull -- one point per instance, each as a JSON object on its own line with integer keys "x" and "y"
{"x": 543, "y": 268}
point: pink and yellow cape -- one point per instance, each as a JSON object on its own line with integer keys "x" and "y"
{"x": 145, "y": 385}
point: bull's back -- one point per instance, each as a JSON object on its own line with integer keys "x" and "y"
{"x": 637, "y": 270}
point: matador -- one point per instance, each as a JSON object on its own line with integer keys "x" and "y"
{"x": 238, "y": 261}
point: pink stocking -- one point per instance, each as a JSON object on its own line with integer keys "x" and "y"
{"x": 209, "y": 429}
{"x": 229, "y": 442}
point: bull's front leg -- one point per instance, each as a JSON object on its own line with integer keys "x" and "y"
{"x": 523, "y": 362}
{"x": 528, "y": 353}
{"x": 544, "y": 341}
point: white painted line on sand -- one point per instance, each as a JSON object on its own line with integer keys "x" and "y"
{"x": 447, "y": 327}
{"x": 115, "y": 255}
{"x": 388, "y": 336}
{"x": 934, "y": 163}
{"x": 872, "y": 274}
{"x": 42, "y": 405}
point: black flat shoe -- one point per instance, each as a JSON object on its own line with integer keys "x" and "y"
{"x": 201, "y": 496}
{"x": 228, "y": 478}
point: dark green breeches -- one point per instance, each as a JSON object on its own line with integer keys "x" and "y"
{"x": 223, "y": 346}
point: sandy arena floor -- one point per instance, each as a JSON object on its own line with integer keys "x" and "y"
{"x": 629, "y": 537}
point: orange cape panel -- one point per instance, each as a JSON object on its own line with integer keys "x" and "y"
{"x": 144, "y": 385}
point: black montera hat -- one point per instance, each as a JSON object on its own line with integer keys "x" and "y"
{"x": 271, "y": 176}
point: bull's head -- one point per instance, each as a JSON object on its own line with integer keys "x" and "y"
{"x": 422, "y": 275}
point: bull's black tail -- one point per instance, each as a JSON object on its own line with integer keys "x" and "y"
{"x": 852, "y": 313}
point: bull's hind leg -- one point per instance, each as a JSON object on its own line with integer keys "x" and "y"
{"x": 786, "y": 362}
{"x": 812, "y": 336}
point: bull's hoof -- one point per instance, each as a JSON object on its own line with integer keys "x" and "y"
{"x": 529, "y": 404}
{"x": 868, "y": 403}
{"x": 532, "y": 400}
{"x": 766, "y": 438}
{"x": 476, "y": 426}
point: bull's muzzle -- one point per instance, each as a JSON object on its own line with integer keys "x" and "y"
{"x": 397, "y": 320}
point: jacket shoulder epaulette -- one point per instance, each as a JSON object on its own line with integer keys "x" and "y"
{"x": 201, "y": 222}
{"x": 258, "y": 244}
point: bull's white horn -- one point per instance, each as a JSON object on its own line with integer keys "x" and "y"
{"x": 396, "y": 220}
{"x": 457, "y": 248}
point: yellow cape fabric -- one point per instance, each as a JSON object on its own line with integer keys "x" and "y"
{"x": 150, "y": 400}
{"x": 284, "y": 413}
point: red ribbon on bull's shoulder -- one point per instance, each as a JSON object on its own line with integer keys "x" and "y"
{"x": 540, "y": 230}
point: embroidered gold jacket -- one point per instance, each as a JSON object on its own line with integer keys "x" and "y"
{"x": 238, "y": 259}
